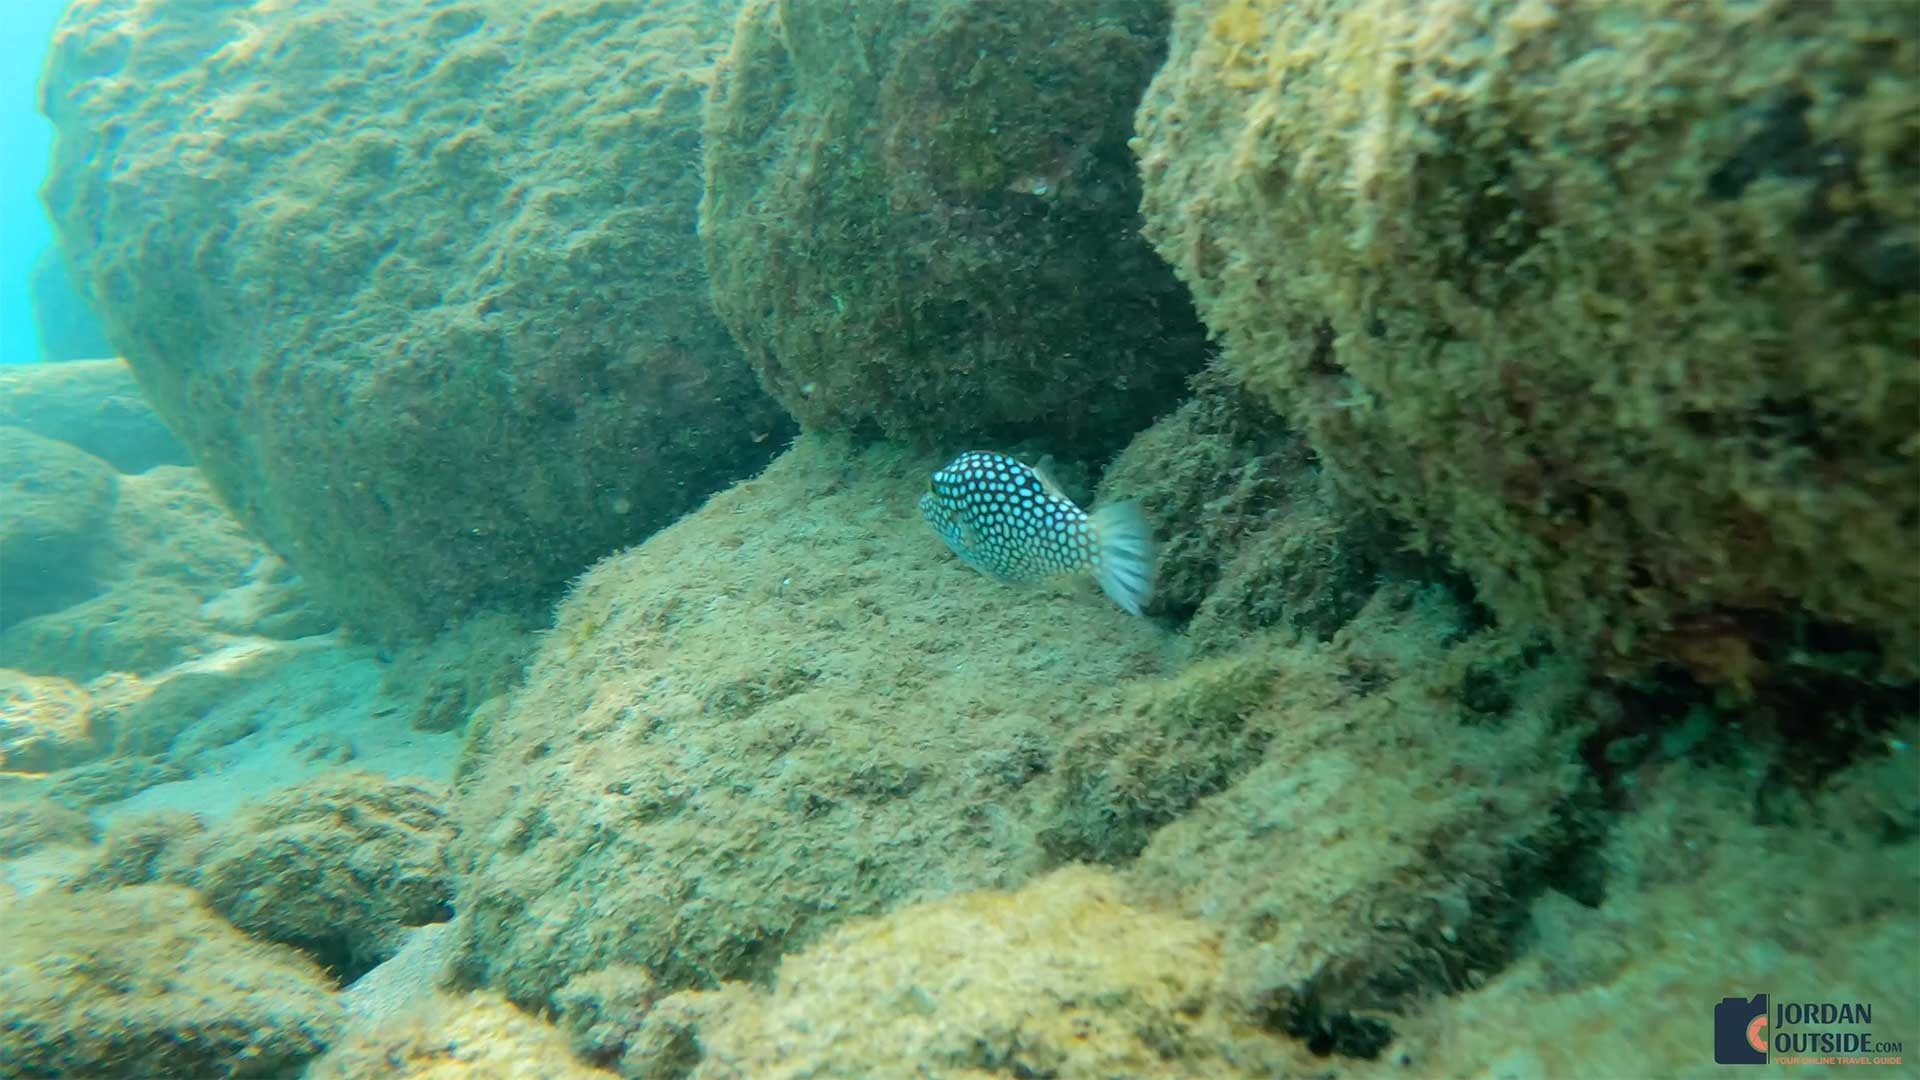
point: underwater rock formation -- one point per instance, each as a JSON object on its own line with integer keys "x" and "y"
{"x": 444, "y": 680}
{"x": 921, "y": 218}
{"x": 46, "y": 723}
{"x": 1617, "y": 307}
{"x": 144, "y": 981}
{"x": 340, "y": 867}
{"x": 58, "y": 500}
{"x": 1367, "y": 820}
{"x": 1061, "y": 978}
{"x": 1717, "y": 880}
{"x": 28, "y": 826}
{"x": 794, "y": 708}
{"x": 425, "y": 300}
{"x": 135, "y": 849}
{"x": 1253, "y": 532}
{"x": 445, "y": 1037}
{"x": 173, "y": 575}
{"x": 790, "y": 708}
{"x": 63, "y": 320}
{"x": 91, "y": 404}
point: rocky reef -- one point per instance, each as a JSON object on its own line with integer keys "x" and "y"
{"x": 434, "y": 323}
{"x": 789, "y": 708}
{"x": 1021, "y": 983}
{"x": 58, "y": 500}
{"x": 340, "y": 867}
{"x": 700, "y": 776}
{"x": 1533, "y": 639}
{"x": 133, "y": 600}
{"x": 1616, "y": 307}
{"x": 921, "y": 218}
{"x": 145, "y": 982}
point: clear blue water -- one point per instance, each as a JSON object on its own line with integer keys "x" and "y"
{"x": 24, "y": 139}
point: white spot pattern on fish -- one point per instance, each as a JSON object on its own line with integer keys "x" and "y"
{"x": 1009, "y": 521}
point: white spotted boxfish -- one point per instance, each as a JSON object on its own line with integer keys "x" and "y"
{"x": 1010, "y": 521}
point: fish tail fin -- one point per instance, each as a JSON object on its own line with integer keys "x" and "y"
{"x": 1125, "y": 569}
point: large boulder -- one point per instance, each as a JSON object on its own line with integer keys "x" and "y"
{"x": 921, "y": 217}
{"x": 1617, "y": 306}
{"x": 1024, "y": 983}
{"x": 173, "y": 577}
{"x": 425, "y": 300}
{"x": 340, "y": 867}
{"x": 794, "y": 707}
{"x": 790, "y": 708}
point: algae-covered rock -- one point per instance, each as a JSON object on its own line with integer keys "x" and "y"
{"x": 146, "y": 714}
{"x": 1615, "y": 303}
{"x": 110, "y": 779}
{"x": 57, "y": 499}
{"x": 700, "y": 775}
{"x": 1062, "y": 978}
{"x": 921, "y": 217}
{"x": 46, "y": 722}
{"x": 426, "y": 302}
{"x": 1365, "y": 820}
{"x": 471, "y": 1037}
{"x": 1710, "y": 895}
{"x": 33, "y": 824}
{"x": 443, "y": 681}
{"x": 143, "y": 627}
{"x": 135, "y": 849}
{"x": 91, "y": 404}
{"x": 1253, "y": 532}
{"x": 789, "y": 709}
{"x": 339, "y": 867}
{"x": 177, "y": 577}
{"x": 144, "y": 981}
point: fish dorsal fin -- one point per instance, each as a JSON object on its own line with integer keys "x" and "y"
{"x": 1044, "y": 471}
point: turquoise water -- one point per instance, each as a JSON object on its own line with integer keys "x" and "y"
{"x": 24, "y": 138}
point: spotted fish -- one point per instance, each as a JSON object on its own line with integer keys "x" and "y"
{"x": 1011, "y": 522}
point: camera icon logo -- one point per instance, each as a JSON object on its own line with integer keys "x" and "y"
{"x": 1740, "y": 1031}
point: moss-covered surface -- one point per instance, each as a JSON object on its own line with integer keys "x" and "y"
{"x": 1367, "y": 819}
{"x": 145, "y": 981}
{"x": 28, "y": 826}
{"x": 339, "y": 867}
{"x": 921, "y": 218}
{"x": 790, "y": 708}
{"x": 794, "y": 707}
{"x": 1062, "y": 978}
{"x": 443, "y": 680}
{"x": 1614, "y": 302}
{"x": 426, "y": 302}
{"x": 46, "y": 722}
{"x": 454, "y": 1038}
{"x": 1254, "y": 533}
{"x": 164, "y": 559}
{"x": 1719, "y": 882}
